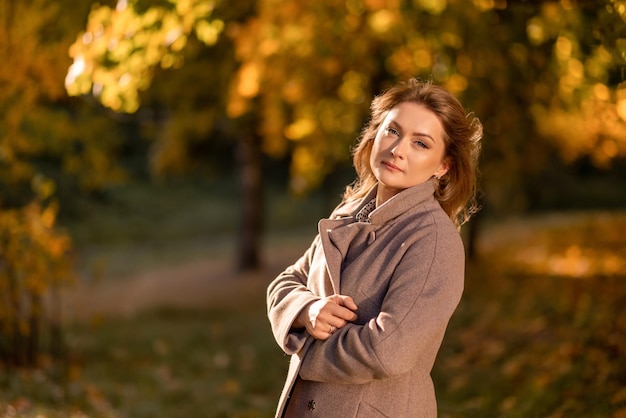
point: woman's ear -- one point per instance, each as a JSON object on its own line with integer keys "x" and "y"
{"x": 442, "y": 169}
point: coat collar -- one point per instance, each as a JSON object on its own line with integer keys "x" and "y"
{"x": 335, "y": 248}
{"x": 397, "y": 205}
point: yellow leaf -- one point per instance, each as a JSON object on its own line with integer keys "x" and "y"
{"x": 230, "y": 387}
{"x": 300, "y": 129}
{"x": 619, "y": 397}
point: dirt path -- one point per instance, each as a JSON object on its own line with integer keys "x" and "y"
{"x": 210, "y": 283}
{"x": 207, "y": 283}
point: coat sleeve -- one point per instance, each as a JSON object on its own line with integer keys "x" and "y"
{"x": 424, "y": 291}
{"x": 287, "y": 294}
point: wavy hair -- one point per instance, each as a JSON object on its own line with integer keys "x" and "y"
{"x": 456, "y": 190}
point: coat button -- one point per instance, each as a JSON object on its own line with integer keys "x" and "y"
{"x": 311, "y": 405}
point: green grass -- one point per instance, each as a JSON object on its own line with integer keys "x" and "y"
{"x": 159, "y": 364}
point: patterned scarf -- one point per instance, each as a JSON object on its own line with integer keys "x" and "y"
{"x": 364, "y": 213}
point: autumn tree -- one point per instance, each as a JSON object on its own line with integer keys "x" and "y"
{"x": 541, "y": 81}
{"x": 195, "y": 126}
{"x": 532, "y": 72}
{"x": 124, "y": 48}
{"x": 305, "y": 72}
{"x": 44, "y": 139}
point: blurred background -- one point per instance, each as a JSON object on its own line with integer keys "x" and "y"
{"x": 161, "y": 161}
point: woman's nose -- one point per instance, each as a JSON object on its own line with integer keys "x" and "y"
{"x": 398, "y": 149}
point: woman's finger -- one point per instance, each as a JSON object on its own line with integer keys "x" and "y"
{"x": 347, "y": 301}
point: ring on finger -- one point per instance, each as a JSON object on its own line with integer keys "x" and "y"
{"x": 331, "y": 330}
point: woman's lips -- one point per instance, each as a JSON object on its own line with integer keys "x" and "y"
{"x": 391, "y": 166}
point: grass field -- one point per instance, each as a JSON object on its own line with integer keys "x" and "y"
{"x": 160, "y": 364}
{"x": 540, "y": 332}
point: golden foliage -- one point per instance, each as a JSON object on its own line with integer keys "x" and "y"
{"x": 35, "y": 38}
{"x": 293, "y": 58}
{"x": 559, "y": 249}
{"x": 33, "y": 261}
{"x": 25, "y": 81}
{"x": 115, "y": 57}
{"x": 584, "y": 116}
{"x": 39, "y": 123}
{"x": 596, "y": 128}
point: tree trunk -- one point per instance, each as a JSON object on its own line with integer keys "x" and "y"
{"x": 474, "y": 229}
{"x": 251, "y": 176}
{"x": 32, "y": 339}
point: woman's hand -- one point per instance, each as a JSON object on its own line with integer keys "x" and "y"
{"x": 325, "y": 316}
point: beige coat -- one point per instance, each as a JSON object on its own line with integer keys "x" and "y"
{"x": 405, "y": 272}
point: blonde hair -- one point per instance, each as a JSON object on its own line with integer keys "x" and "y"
{"x": 456, "y": 190}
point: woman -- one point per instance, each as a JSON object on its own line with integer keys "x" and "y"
{"x": 363, "y": 312}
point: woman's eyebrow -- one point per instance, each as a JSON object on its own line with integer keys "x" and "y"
{"x": 421, "y": 134}
{"x": 418, "y": 134}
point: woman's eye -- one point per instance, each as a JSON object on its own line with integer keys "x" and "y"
{"x": 421, "y": 144}
{"x": 393, "y": 132}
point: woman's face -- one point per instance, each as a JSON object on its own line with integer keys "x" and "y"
{"x": 408, "y": 149}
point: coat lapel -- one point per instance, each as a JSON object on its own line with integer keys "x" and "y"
{"x": 335, "y": 243}
{"x": 332, "y": 253}
{"x": 337, "y": 233}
